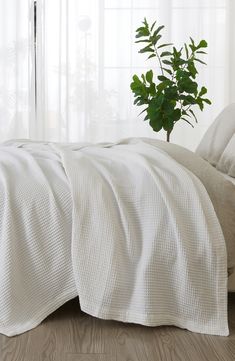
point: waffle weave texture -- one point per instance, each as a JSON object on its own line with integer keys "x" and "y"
{"x": 36, "y": 275}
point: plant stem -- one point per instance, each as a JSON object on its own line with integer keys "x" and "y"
{"x": 159, "y": 59}
{"x": 168, "y": 135}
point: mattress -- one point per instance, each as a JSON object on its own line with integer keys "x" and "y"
{"x": 231, "y": 280}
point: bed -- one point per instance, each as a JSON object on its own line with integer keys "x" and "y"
{"x": 141, "y": 230}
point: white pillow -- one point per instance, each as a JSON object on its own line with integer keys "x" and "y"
{"x": 218, "y": 135}
{"x": 226, "y": 163}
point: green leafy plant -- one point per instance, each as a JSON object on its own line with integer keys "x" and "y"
{"x": 176, "y": 92}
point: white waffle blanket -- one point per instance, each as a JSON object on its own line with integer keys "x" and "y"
{"x": 147, "y": 246}
{"x": 36, "y": 275}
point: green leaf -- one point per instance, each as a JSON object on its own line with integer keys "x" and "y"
{"x": 151, "y": 56}
{"x": 146, "y": 23}
{"x": 154, "y": 113}
{"x": 162, "y": 78}
{"x": 202, "y": 44}
{"x": 157, "y": 101}
{"x": 156, "y": 123}
{"x": 167, "y": 62}
{"x": 147, "y": 49}
{"x": 155, "y": 39}
{"x": 186, "y": 50}
{"x": 152, "y": 89}
{"x": 153, "y": 26}
{"x": 142, "y": 111}
{"x": 142, "y": 31}
{"x": 137, "y": 100}
{"x": 142, "y": 41}
{"x": 161, "y": 86}
{"x": 168, "y": 106}
{"x": 142, "y": 28}
{"x": 176, "y": 115}
{"x": 136, "y": 79}
{"x": 168, "y": 123}
{"x": 193, "y": 114}
{"x": 181, "y": 73}
{"x": 171, "y": 93}
{"x": 186, "y": 120}
{"x": 200, "y": 52}
{"x": 187, "y": 99}
{"x": 139, "y": 89}
{"x": 200, "y": 103}
{"x": 206, "y": 101}
{"x": 163, "y": 45}
{"x": 140, "y": 101}
{"x": 165, "y": 53}
{"x": 149, "y": 76}
{"x": 200, "y": 61}
{"x": 192, "y": 41}
{"x": 202, "y": 91}
{"x": 168, "y": 71}
{"x": 158, "y": 30}
{"x": 176, "y": 53}
{"x": 187, "y": 85}
{"x": 192, "y": 69}
{"x": 140, "y": 35}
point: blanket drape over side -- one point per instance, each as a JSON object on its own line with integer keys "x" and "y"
{"x": 36, "y": 275}
{"x": 147, "y": 246}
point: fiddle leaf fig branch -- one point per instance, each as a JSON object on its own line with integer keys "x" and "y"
{"x": 175, "y": 93}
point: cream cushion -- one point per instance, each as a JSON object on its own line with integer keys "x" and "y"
{"x": 218, "y": 136}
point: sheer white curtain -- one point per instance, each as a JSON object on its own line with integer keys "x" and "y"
{"x": 16, "y": 69}
{"x": 86, "y": 57}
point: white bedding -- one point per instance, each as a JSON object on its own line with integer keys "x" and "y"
{"x": 147, "y": 246}
{"x": 36, "y": 275}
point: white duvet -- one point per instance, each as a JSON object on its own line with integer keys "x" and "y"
{"x": 125, "y": 227}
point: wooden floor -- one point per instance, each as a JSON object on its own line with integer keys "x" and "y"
{"x": 70, "y": 335}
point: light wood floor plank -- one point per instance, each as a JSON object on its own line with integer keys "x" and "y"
{"x": 71, "y": 335}
{"x": 91, "y": 357}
